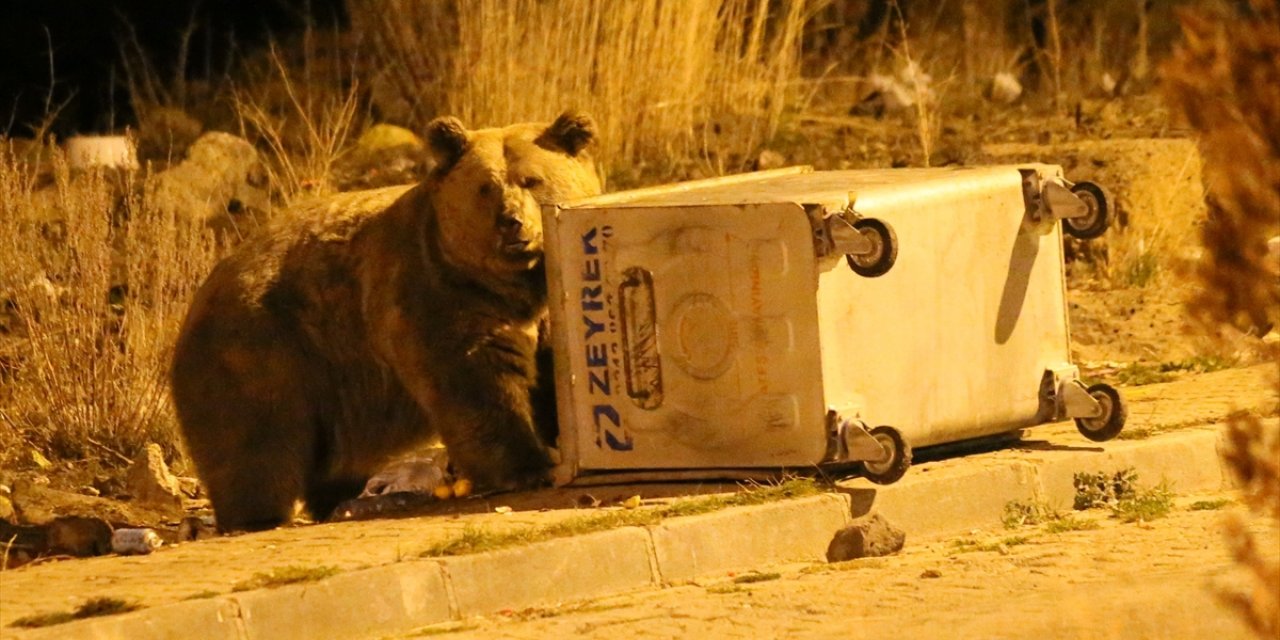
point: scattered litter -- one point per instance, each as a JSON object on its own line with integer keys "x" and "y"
{"x": 504, "y": 510}
{"x": 631, "y": 503}
{"x": 128, "y": 542}
{"x": 40, "y": 460}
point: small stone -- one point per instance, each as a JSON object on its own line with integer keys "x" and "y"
{"x": 190, "y": 486}
{"x": 868, "y": 537}
{"x": 1005, "y": 88}
{"x": 931, "y": 573}
{"x": 770, "y": 159}
{"x": 150, "y": 482}
{"x": 196, "y": 528}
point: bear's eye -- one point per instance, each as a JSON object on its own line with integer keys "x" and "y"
{"x": 487, "y": 190}
{"x": 530, "y": 182}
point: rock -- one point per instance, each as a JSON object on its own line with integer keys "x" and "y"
{"x": 37, "y": 504}
{"x": 770, "y": 159}
{"x": 149, "y": 481}
{"x": 387, "y": 136}
{"x": 1005, "y": 88}
{"x": 385, "y": 155}
{"x": 221, "y": 183}
{"x": 190, "y": 486}
{"x": 79, "y": 536}
{"x": 6, "y": 510}
{"x": 868, "y": 537}
{"x": 197, "y": 528}
{"x": 166, "y": 133}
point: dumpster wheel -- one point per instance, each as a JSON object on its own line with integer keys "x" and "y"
{"x": 1114, "y": 413}
{"x": 1098, "y": 219}
{"x": 888, "y": 471}
{"x": 884, "y": 249}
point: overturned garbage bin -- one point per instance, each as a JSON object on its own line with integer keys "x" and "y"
{"x": 796, "y": 318}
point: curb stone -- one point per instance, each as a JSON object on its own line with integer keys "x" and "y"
{"x": 934, "y": 500}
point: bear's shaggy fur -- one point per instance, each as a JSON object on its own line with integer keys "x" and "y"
{"x": 377, "y": 321}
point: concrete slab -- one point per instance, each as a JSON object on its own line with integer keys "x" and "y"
{"x": 739, "y": 539}
{"x": 1188, "y": 461}
{"x": 214, "y": 619}
{"x": 373, "y": 602}
{"x": 941, "y": 498}
{"x": 552, "y": 572}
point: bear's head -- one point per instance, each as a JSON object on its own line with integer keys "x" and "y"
{"x": 488, "y": 186}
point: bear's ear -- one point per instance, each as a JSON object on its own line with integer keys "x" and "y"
{"x": 571, "y": 133}
{"x": 448, "y": 141}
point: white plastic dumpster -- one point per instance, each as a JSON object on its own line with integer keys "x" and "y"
{"x": 793, "y": 319}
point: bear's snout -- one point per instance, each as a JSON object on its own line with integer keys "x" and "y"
{"x": 511, "y": 229}
{"x": 515, "y": 235}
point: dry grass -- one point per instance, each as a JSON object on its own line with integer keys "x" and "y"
{"x": 478, "y": 540}
{"x": 304, "y": 126}
{"x": 94, "y": 283}
{"x": 1225, "y": 80}
{"x": 668, "y": 82}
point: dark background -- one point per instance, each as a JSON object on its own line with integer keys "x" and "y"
{"x": 86, "y": 37}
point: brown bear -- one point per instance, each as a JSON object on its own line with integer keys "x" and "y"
{"x": 374, "y": 322}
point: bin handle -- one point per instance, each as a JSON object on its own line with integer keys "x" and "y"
{"x": 641, "y": 363}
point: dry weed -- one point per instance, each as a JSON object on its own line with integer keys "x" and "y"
{"x": 1225, "y": 79}
{"x": 305, "y": 132}
{"x": 668, "y": 82}
{"x": 95, "y": 284}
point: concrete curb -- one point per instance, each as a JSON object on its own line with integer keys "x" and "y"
{"x": 932, "y": 500}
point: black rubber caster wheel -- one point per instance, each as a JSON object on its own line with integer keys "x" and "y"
{"x": 1099, "y": 218}
{"x": 891, "y": 470}
{"x": 884, "y": 249}
{"x": 1114, "y": 414}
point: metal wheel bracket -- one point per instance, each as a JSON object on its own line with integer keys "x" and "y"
{"x": 1077, "y": 402}
{"x": 846, "y": 239}
{"x": 861, "y": 445}
{"x": 1062, "y": 203}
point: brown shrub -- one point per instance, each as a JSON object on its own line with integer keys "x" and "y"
{"x": 95, "y": 283}
{"x": 1225, "y": 79}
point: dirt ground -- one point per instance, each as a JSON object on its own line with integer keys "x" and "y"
{"x": 1156, "y": 579}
